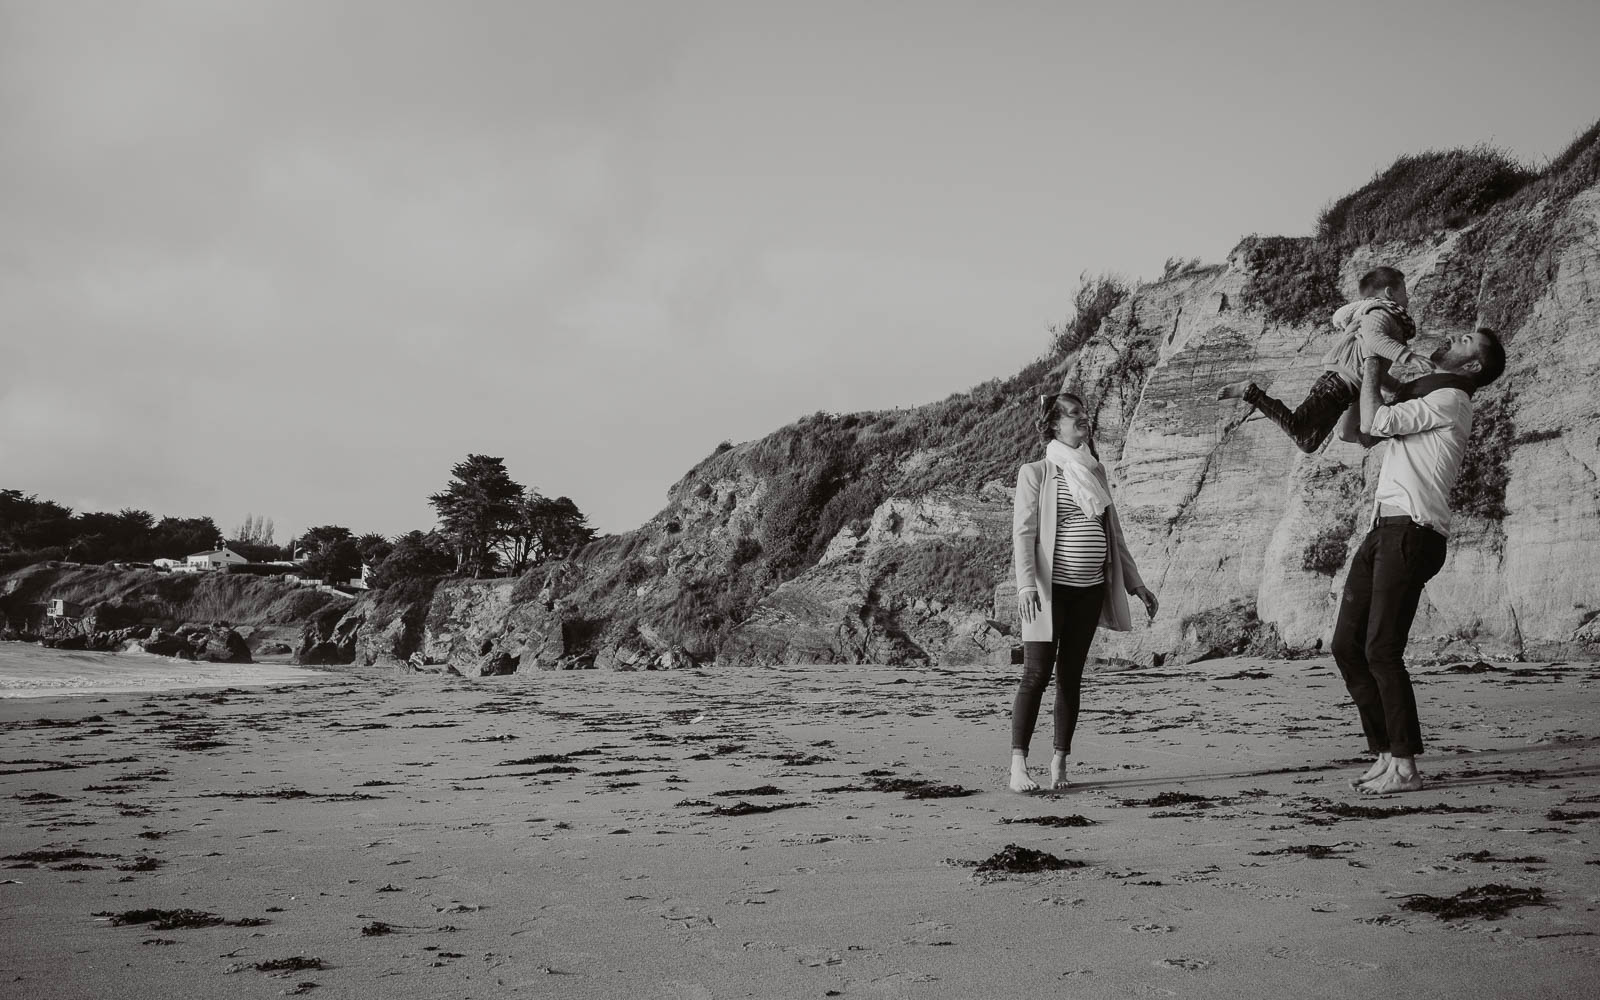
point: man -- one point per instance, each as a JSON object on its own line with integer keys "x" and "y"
{"x": 1427, "y": 427}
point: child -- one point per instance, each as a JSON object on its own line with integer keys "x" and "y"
{"x": 1376, "y": 326}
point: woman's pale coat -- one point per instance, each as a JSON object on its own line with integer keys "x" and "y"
{"x": 1033, "y": 537}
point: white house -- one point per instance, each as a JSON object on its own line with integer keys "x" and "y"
{"x": 167, "y": 564}
{"x": 202, "y": 561}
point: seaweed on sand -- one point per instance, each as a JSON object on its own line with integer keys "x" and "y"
{"x": 750, "y": 809}
{"x": 1017, "y": 860}
{"x": 1486, "y": 902}
{"x": 1056, "y": 822}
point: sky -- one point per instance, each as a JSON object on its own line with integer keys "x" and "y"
{"x": 298, "y": 258}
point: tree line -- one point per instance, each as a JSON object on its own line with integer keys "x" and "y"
{"x": 488, "y": 525}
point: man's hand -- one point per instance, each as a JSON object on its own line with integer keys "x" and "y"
{"x": 1029, "y": 605}
{"x": 1151, "y": 605}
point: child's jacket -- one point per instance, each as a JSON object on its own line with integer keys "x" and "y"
{"x": 1369, "y": 328}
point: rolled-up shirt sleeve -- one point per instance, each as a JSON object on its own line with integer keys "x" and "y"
{"x": 1440, "y": 408}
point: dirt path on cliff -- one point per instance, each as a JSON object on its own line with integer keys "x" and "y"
{"x": 749, "y": 833}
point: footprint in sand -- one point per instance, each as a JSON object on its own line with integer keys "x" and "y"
{"x": 1184, "y": 964}
{"x": 1322, "y": 961}
{"x": 1152, "y": 928}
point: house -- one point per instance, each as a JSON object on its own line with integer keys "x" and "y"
{"x": 167, "y": 564}
{"x": 203, "y": 561}
{"x": 64, "y": 609}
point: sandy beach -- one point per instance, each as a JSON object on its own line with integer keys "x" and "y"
{"x": 708, "y": 834}
{"x": 30, "y": 671}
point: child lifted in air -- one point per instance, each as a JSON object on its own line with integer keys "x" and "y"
{"x": 1375, "y": 326}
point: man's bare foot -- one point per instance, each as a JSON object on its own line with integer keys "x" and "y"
{"x": 1021, "y": 781}
{"x": 1376, "y": 770}
{"x": 1233, "y": 390}
{"x": 1058, "y": 772}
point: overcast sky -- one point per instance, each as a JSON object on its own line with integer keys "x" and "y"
{"x": 298, "y": 258}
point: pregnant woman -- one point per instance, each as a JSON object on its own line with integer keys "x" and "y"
{"x": 1073, "y": 574}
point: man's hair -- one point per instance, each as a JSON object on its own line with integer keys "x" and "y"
{"x": 1491, "y": 357}
{"x": 1379, "y": 278}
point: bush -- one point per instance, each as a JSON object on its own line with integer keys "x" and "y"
{"x": 1325, "y": 553}
{"x": 1095, "y": 299}
{"x": 745, "y": 550}
{"x": 1422, "y": 193}
{"x": 962, "y": 572}
{"x": 257, "y": 569}
{"x": 1292, "y": 279}
{"x": 1480, "y": 487}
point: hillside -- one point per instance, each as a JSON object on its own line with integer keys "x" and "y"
{"x": 117, "y": 598}
{"x": 885, "y": 537}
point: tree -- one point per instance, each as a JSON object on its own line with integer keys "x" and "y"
{"x": 316, "y": 540}
{"x": 374, "y": 548}
{"x": 416, "y": 555}
{"x": 475, "y": 510}
{"x": 542, "y": 529}
{"x": 337, "y": 562}
{"x": 255, "y": 530}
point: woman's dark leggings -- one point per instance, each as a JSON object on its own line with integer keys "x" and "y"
{"x": 1075, "y": 612}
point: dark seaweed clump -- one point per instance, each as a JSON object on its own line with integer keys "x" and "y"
{"x": 1309, "y": 850}
{"x": 1348, "y": 811}
{"x": 1484, "y": 857}
{"x": 42, "y": 857}
{"x": 1486, "y": 902}
{"x": 167, "y": 920}
{"x": 1562, "y": 814}
{"x": 1017, "y": 860}
{"x": 1173, "y": 799}
{"x": 750, "y": 809}
{"x": 296, "y": 963}
{"x": 913, "y": 788}
{"x": 734, "y": 793}
{"x": 1052, "y": 821}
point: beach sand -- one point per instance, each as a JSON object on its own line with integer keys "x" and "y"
{"x": 558, "y": 834}
{"x": 30, "y": 671}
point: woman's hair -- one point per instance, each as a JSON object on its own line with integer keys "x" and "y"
{"x": 1050, "y": 413}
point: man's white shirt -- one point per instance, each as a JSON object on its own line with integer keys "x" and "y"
{"x": 1427, "y": 440}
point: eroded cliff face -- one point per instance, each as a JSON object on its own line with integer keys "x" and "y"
{"x": 1245, "y": 539}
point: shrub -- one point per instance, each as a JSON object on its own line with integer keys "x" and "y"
{"x": 1095, "y": 299}
{"x": 1325, "y": 553}
{"x": 1505, "y": 264}
{"x": 1292, "y": 279}
{"x": 745, "y": 550}
{"x": 1530, "y": 437}
{"x": 1422, "y": 193}
{"x": 961, "y": 572}
{"x": 1480, "y": 487}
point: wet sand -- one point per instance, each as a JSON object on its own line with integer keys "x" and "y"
{"x": 744, "y": 834}
{"x": 30, "y": 671}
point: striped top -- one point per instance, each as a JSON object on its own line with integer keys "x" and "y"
{"x": 1080, "y": 553}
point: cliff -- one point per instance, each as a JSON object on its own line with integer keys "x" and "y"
{"x": 885, "y": 537}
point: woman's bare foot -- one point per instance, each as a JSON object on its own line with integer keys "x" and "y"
{"x": 1058, "y": 771}
{"x": 1402, "y": 776}
{"x": 1021, "y": 780}
{"x": 1378, "y": 767}
{"x": 1233, "y": 390}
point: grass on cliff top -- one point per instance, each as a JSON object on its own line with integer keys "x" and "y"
{"x": 1421, "y": 193}
{"x": 172, "y": 597}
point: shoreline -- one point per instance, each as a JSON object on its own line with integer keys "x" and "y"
{"x": 29, "y": 671}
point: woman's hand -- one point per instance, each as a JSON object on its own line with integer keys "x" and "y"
{"x": 1029, "y": 605}
{"x": 1151, "y": 605}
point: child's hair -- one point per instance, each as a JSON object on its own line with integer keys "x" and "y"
{"x": 1380, "y": 278}
{"x": 1491, "y": 358}
{"x": 1050, "y": 413}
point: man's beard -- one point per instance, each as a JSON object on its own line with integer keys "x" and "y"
{"x": 1440, "y": 353}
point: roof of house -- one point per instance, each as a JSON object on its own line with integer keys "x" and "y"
{"x": 216, "y": 552}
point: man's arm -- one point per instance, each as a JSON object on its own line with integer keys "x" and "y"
{"x": 1372, "y": 372}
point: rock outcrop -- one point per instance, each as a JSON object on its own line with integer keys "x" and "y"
{"x": 886, "y": 537}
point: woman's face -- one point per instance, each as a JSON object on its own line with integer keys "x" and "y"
{"x": 1072, "y": 422}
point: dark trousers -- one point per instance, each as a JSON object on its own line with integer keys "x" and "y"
{"x": 1315, "y": 418}
{"x": 1075, "y": 613}
{"x": 1369, "y": 640}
